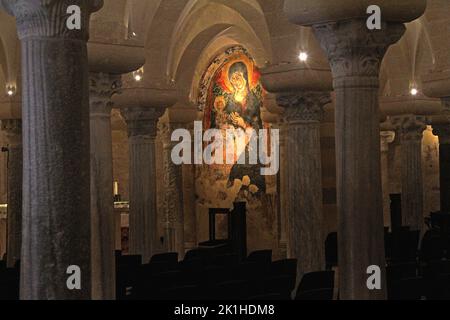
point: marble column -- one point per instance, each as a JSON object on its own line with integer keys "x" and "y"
{"x": 355, "y": 54}
{"x": 386, "y": 138}
{"x": 102, "y": 87}
{"x": 410, "y": 130}
{"x": 13, "y": 130}
{"x": 283, "y": 186}
{"x": 173, "y": 193}
{"x": 142, "y": 131}
{"x": 55, "y": 129}
{"x": 304, "y": 111}
{"x": 443, "y": 132}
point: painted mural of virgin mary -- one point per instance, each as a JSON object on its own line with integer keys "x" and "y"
{"x": 243, "y": 106}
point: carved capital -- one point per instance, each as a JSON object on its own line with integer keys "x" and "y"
{"x": 48, "y": 18}
{"x": 386, "y": 138}
{"x": 142, "y": 121}
{"x": 13, "y": 130}
{"x": 410, "y": 128}
{"x": 355, "y": 51}
{"x": 303, "y": 106}
{"x": 443, "y": 132}
{"x": 102, "y": 87}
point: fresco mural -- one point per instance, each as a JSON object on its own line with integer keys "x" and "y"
{"x": 231, "y": 97}
{"x": 234, "y": 101}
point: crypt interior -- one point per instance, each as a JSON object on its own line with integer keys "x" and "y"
{"x": 87, "y": 176}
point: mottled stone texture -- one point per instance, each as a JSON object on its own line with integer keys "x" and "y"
{"x": 283, "y": 192}
{"x": 355, "y": 54}
{"x": 443, "y": 132}
{"x": 102, "y": 87}
{"x": 173, "y": 193}
{"x": 386, "y": 137}
{"x": 304, "y": 111}
{"x": 410, "y": 130}
{"x": 142, "y": 130}
{"x": 56, "y": 215}
{"x": 13, "y": 129}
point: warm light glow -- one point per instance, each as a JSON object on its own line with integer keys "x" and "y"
{"x": 303, "y": 56}
{"x": 414, "y": 91}
{"x": 134, "y": 34}
{"x": 10, "y": 92}
{"x": 138, "y": 77}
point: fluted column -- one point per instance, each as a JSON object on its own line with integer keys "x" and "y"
{"x": 443, "y": 132}
{"x": 102, "y": 87}
{"x": 142, "y": 131}
{"x": 355, "y": 54}
{"x": 55, "y": 119}
{"x": 410, "y": 130}
{"x": 173, "y": 193}
{"x": 283, "y": 183}
{"x": 386, "y": 138}
{"x": 304, "y": 111}
{"x": 13, "y": 129}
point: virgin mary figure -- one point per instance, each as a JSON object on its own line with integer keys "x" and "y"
{"x": 243, "y": 110}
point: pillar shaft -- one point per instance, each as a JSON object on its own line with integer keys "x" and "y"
{"x": 443, "y": 132}
{"x": 13, "y": 129}
{"x": 355, "y": 54}
{"x": 283, "y": 191}
{"x": 386, "y": 137}
{"x": 410, "y": 130}
{"x": 55, "y": 115}
{"x": 142, "y": 130}
{"x": 173, "y": 194}
{"x": 304, "y": 112}
{"x": 102, "y": 87}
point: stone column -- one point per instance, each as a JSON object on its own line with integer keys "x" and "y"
{"x": 102, "y": 87}
{"x": 355, "y": 54}
{"x": 387, "y": 137}
{"x": 173, "y": 193}
{"x": 283, "y": 190}
{"x": 410, "y": 130}
{"x": 55, "y": 120}
{"x": 13, "y": 129}
{"x": 443, "y": 132}
{"x": 304, "y": 111}
{"x": 142, "y": 131}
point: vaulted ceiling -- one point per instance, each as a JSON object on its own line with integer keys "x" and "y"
{"x": 181, "y": 37}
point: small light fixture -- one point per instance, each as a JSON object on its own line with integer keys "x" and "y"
{"x": 10, "y": 90}
{"x": 138, "y": 75}
{"x": 414, "y": 91}
{"x": 134, "y": 34}
{"x": 303, "y": 56}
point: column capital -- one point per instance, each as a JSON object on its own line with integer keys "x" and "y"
{"x": 102, "y": 87}
{"x": 386, "y": 138}
{"x": 443, "y": 132}
{"x": 142, "y": 121}
{"x": 47, "y": 18}
{"x": 355, "y": 51}
{"x": 409, "y": 127}
{"x": 303, "y": 106}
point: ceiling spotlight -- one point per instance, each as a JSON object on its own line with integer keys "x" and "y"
{"x": 414, "y": 91}
{"x": 303, "y": 56}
